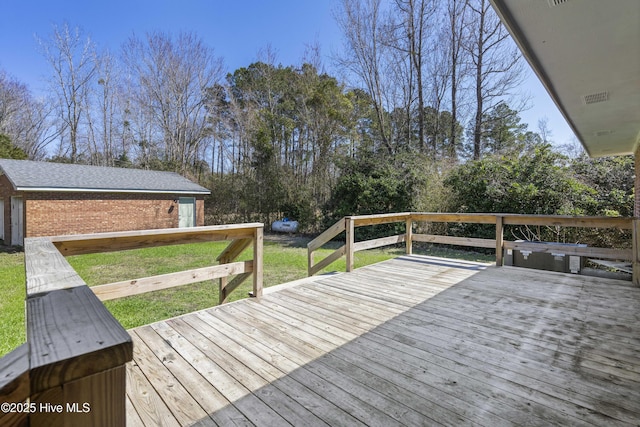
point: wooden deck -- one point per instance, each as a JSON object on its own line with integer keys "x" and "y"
{"x": 410, "y": 341}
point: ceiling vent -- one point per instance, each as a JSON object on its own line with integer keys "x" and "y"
{"x": 594, "y": 98}
{"x": 603, "y": 133}
{"x": 554, "y": 3}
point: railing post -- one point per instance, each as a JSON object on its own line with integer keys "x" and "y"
{"x": 349, "y": 227}
{"x": 223, "y": 282}
{"x": 409, "y": 236}
{"x": 222, "y": 286}
{"x": 499, "y": 239}
{"x": 635, "y": 225}
{"x": 14, "y": 385}
{"x": 77, "y": 350}
{"x": 257, "y": 261}
{"x": 635, "y": 277}
{"x": 95, "y": 400}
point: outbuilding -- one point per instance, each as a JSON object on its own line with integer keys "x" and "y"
{"x": 46, "y": 199}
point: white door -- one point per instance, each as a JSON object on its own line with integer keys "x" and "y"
{"x": 187, "y": 212}
{"x": 17, "y": 223}
{"x": 2, "y": 220}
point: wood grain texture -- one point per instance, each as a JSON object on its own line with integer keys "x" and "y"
{"x": 376, "y": 243}
{"x": 65, "y": 345}
{"x": 117, "y": 241}
{"x": 325, "y": 262}
{"x": 408, "y": 236}
{"x": 474, "y": 218}
{"x": 46, "y": 269}
{"x": 14, "y": 375}
{"x": 258, "y": 262}
{"x": 76, "y": 350}
{"x": 496, "y": 219}
{"x": 150, "y": 409}
{"x": 350, "y": 242}
{"x": 499, "y": 240}
{"x": 227, "y": 287}
{"x": 169, "y": 280}
{"x": 411, "y": 341}
{"x": 326, "y": 235}
{"x": 622, "y": 223}
{"x": 97, "y": 400}
{"x": 234, "y": 249}
{"x": 14, "y": 419}
{"x": 523, "y": 219}
{"x": 52, "y": 396}
{"x": 366, "y": 220}
{"x": 184, "y": 406}
{"x": 635, "y": 263}
{"x": 458, "y": 241}
{"x": 14, "y": 384}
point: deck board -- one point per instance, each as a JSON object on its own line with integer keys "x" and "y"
{"x": 410, "y": 341}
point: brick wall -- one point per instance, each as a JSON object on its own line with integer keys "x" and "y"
{"x": 49, "y": 214}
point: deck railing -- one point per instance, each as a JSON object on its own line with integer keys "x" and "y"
{"x": 72, "y": 369}
{"x": 349, "y": 223}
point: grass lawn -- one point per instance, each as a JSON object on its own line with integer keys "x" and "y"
{"x": 12, "y": 333}
{"x": 284, "y": 261}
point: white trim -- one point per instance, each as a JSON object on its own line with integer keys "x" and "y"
{"x": 17, "y": 221}
{"x": 107, "y": 190}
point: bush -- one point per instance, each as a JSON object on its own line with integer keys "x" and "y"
{"x": 536, "y": 182}
{"x": 224, "y": 205}
{"x": 612, "y": 179}
{"x": 374, "y": 185}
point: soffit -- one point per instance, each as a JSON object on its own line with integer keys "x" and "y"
{"x": 587, "y": 55}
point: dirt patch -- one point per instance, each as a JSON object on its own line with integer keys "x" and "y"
{"x": 297, "y": 240}
{"x": 290, "y": 240}
{"x": 4, "y": 249}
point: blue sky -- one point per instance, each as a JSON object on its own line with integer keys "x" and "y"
{"x": 236, "y": 30}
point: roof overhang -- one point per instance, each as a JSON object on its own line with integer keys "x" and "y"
{"x": 587, "y": 55}
{"x": 108, "y": 190}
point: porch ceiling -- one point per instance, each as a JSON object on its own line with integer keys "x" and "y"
{"x": 587, "y": 55}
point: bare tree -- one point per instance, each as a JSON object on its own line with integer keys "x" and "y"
{"x": 439, "y": 73}
{"x": 362, "y": 24}
{"x": 37, "y": 132}
{"x": 24, "y": 119}
{"x": 456, "y": 31}
{"x": 415, "y": 18}
{"x": 545, "y": 132}
{"x": 13, "y": 96}
{"x": 170, "y": 78}
{"x": 401, "y": 90}
{"x": 105, "y": 109}
{"x": 497, "y": 65}
{"x": 71, "y": 55}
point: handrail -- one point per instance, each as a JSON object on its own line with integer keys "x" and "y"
{"x": 123, "y": 240}
{"x": 327, "y": 235}
{"x": 498, "y": 219}
{"x": 319, "y": 241}
{"x": 241, "y": 236}
{"x": 72, "y": 370}
{"x": 77, "y": 351}
{"x": 14, "y": 384}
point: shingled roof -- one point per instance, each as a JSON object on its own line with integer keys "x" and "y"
{"x": 26, "y": 175}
